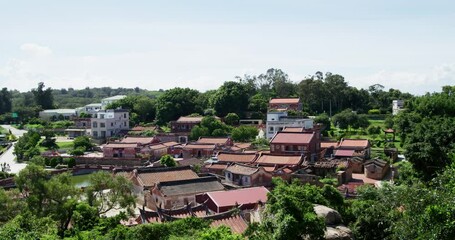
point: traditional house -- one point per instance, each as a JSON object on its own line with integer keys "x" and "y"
{"x": 219, "y": 142}
{"x": 198, "y": 150}
{"x": 215, "y": 168}
{"x": 244, "y": 199}
{"x": 285, "y": 104}
{"x": 328, "y": 148}
{"x": 356, "y": 164}
{"x": 173, "y": 194}
{"x": 354, "y": 148}
{"x": 274, "y": 160}
{"x": 229, "y": 157}
{"x": 247, "y": 176}
{"x": 120, "y": 150}
{"x": 296, "y": 143}
{"x": 185, "y": 124}
{"x": 376, "y": 169}
{"x": 143, "y": 141}
{"x": 109, "y": 100}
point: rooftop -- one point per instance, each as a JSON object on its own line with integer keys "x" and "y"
{"x": 120, "y": 145}
{"x": 292, "y": 138}
{"x": 356, "y": 143}
{"x": 242, "y": 169}
{"x": 212, "y": 140}
{"x": 190, "y": 186}
{"x": 189, "y": 119}
{"x": 239, "y": 196}
{"x": 60, "y": 111}
{"x": 199, "y": 146}
{"x": 141, "y": 140}
{"x": 236, "y": 223}
{"x": 293, "y": 129}
{"x": 329, "y": 144}
{"x": 236, "y": 157}
{"x": 150, "y": 176}
{"x": 278, "y": 160}
{"x": 118, "y": 97}
{"x": 284, "y": 100}
{"x": 344, "y": 153}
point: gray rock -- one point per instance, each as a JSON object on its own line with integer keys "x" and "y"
{"x": 331, "y": 216}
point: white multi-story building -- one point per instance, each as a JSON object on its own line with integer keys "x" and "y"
{"x": 57, "y": 114}
{"x": 91, "y": 109}
{"x": 277, "y": 121}
{"x": 397, "y": 106}
{"x": 109, "y": 123}
{"x": 109, "y": 100}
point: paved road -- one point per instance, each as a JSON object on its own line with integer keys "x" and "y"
{"x": 8, "y": 157}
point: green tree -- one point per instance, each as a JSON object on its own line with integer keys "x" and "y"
{"x": 82, "y": 142}
{"x": 49, "y": 140}
{"x": 289, "y": 213}
{"x": 168, "y": 161}
{"x": 231, "y": 97}
{"x": 244, "y": 133}
{"x": 177, "y": 102}
{"x": 107, "y": 192}
{"x": 43, "y": 97}
{"x": 232, "y": 119}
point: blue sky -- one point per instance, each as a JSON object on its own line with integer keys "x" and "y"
{"x": 200, "y": 44}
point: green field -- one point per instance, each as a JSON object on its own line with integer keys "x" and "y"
{"x": 61, "y": 146}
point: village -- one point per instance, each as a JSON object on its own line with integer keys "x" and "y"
{"x": 217, "y": 178}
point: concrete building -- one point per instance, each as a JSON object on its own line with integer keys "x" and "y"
{"x": 397, "y": 106}
{"x": 277, "y": 121}
{"x": 285, "y": 104}
{"x": 57, "y": 114}
{"x": 109, "y": 100}
{"x": 91, "y": 109}
{"x": 109, "y": 123}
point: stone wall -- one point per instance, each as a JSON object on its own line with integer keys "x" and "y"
{"x": 109, "y": 161}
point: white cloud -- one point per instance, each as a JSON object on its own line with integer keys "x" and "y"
{"x": 35, "y": 49}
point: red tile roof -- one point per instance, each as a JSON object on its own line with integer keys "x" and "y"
{"x": 329, "y": 144}
{"x": 344, "y": 153}
{"x": 199, "y": 146}
{"x": 189, "y": 119}
{"x": 284, "y": 100}
{"x": 293, "y": 129}
{"x": 239, "y": 196}
{"x": 292, "y": 138}
{"x": 120, "y": 145}
{"x": 236, "y": 157}
{"x": 236, "y": 223}
{"x": 278, "y": 160}
{"x": 354, "y": 143}
{"x": 209, "y": 140}
{"x": 242, "y": 169}
{"x": 141, "y": 140}
{"x": 150, "y": 176}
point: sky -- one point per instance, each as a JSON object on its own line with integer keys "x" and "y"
{"x": 407, "y": 45}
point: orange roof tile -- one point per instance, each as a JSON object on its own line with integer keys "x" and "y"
{"x": 120, "y": 145}
{"x": 242, "y": 169}
{"x": 189, "y": 119}
{"x": 236, "y": 223}
{"x": 199, "y": 146}
{"x": 150, "y": 176}
{"x": 278, "y": 160}
{"x": 210, "y": 140}
{"x": 356, "y": 143}
{"x": 236, "y": 157}
{"x": 284, "y": 100}
{"x": 141, "y": 140}
{"x": 329, "y": 144}
{"x": 292, "y": 138}
{"x": 239, "y": 196}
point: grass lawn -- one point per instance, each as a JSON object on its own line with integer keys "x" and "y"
{"x": 61, "y": 146}
{"x": 360, "y": 134}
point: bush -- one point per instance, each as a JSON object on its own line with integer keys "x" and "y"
{"x": 374, "y": 130}
{"x": 168, "y": 161}
{"x": 374, "y": 111}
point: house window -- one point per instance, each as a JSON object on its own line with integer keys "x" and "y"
{"x": 124, "y": 115}
{"x": 124, "y": 124}
{"x": 112, "y": 124}
{"x": 95, "y": 124}
{"x": 272, "y": 147}
{"x": 102, "y": 125}
{"x": 95, "y": 133}
{"x": 270, "y": 129}
{"x": 102, "y": 116}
